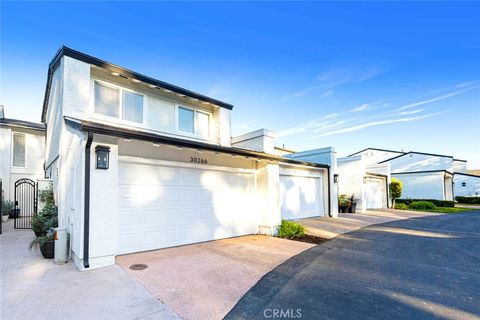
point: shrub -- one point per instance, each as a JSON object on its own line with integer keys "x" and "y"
{"x": 437, "y": 203}
{"x": 396, "y": 187}
{"x": 422, "y": 205}
{"x": 291, "y": 230}
{"x": 46, "y": 195}
{"x": 7, "y": 206}
{"x": 401, "y": 206}
{"x": 469, "y": 200}
{"x": 45, "y": 219}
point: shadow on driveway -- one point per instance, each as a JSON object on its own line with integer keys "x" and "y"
{"x": 420, "y": 268}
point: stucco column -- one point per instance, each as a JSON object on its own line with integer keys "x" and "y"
{"x": 268, "y": 195}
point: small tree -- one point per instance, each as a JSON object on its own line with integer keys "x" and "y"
{"x": 396, "y": 187}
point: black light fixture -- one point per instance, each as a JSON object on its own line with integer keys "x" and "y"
{"x": 102, "y": 153}
{"x": 335, "y": 178}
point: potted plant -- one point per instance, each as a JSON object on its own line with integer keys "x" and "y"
{"x": 7, "y": 206}
{"x": 14, "y": 212}
{"x": 46, "y": 244}
{"x": 45, "y": 219}
{"x": 343, "y": 203}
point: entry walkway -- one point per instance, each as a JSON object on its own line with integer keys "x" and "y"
{"x": 35, "y": 288}
{"x": 329, "y": 228}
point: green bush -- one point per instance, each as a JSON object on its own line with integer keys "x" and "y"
{"x": 469, "y": 200}
{"x": 46, "y": 195}
{"x": 437, "y": 203}
{"x": 422, "y": 205}
{"x": 7, "y": 206}
{"x": 401, "y": 206}
{"x": 44, "y": 220}
{"x": 291, "y": 230}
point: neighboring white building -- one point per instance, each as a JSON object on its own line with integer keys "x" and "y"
{"x": 368, "y": 183}
{"x": 22, "y": 146}
{"x": 425, "y": 175}
{"x": 139, "y": 164}
{"x": 466, "y": 185}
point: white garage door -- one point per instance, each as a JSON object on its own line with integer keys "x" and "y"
{"x": 162, "y": 205}
{"x": 374, "y": 194}
{"x": 301, "y": 196}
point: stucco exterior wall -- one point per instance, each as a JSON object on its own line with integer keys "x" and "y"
{"x": 466, "y": 185}
{"x": 34, "y": 151}
{"x": 422, "y": 185}
{"x": 375, "y": 156}
{"x": 459, "y": 166}
{"x": 420, "y": 162}
{"x": 351, "y": 171}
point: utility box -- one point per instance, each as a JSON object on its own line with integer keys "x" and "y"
{"x": 61, "y": 245}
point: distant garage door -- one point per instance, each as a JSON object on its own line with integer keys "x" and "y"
{"x": 301, "y": 194}
{"x": 170, "y": 204}
{"x": 374, "y": 194}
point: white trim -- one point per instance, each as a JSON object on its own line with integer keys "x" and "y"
{"x": 13, "y": 148}
{"x": 168, "y": 163}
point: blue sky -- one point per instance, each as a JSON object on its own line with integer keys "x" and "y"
{"x": 403, "y": 76}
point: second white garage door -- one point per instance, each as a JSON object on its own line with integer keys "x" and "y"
{"x": 301, "y": 196}
{"x": 164, "y": 205}
{"x": 374, "y": 194}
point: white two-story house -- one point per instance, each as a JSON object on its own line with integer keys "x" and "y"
{"x": 140, "y": 164}
{"x": 22, "y": 145}
{"x": 425, "y": 175}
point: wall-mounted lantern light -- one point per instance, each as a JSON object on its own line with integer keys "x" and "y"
{"x": 335, "y": 178}
{"x": 102, "y": 153}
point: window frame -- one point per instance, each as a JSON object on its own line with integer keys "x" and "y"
{"x": 13, "y": 149}
{"x": 195, "y": 133}
{"x": 121, "y": 90}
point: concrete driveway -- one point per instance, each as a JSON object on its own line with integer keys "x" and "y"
{"x": 420, "y": 268}
{"x": 204, "y": 281}
{"x": 329, "y": 228}
{"x": 35, "y": 288}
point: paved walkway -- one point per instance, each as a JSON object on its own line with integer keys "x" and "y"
{"x": 420, "y": 268}
{"x": 35, "y": 288}
{"x": 329, "y": 228}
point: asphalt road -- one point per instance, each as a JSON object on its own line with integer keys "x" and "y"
{"x": 421, "y": 268}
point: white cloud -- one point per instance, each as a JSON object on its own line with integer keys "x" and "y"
{"x": 372, "y": 124}
{"x": 435, "y": 99}
{"x": 337, "y": 76}
{"x": 405, "y": 113}
{"x": 363, "y": 107}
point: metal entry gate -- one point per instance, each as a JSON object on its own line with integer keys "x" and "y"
{"x": 25, "y": 203}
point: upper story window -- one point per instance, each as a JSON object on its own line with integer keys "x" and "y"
{"x": 193, "y": 121}
{"x": 19, "y": 150}
{"x": 112, "y": 102}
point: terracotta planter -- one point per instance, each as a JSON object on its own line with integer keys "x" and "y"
{"x": 48, "y": 249}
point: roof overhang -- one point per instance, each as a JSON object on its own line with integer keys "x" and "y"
{"x": 124, "y": 72}
{"x": 126, "y": 133}
{"x": 22, "y": 124}
{"x": 425, "y": 171}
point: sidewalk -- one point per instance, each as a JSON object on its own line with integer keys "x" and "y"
{"x": 329, "y": 228}
{"x": 36, "y": 288}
